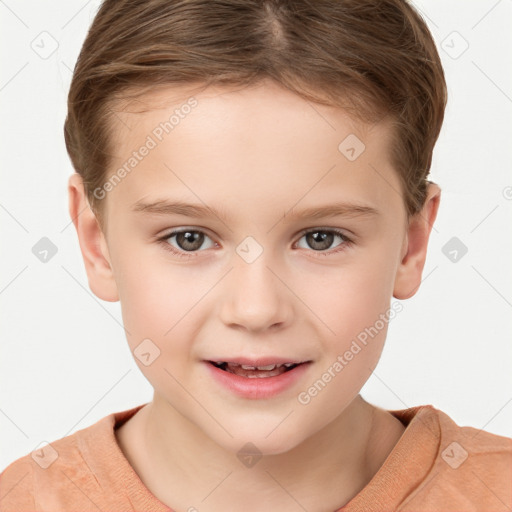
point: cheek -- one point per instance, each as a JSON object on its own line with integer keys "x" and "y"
{"x": 357, "y": 310}
{"x": 158, "y": 315}
{"x": 352, "y": 297}
{"x": 157, "y": 298}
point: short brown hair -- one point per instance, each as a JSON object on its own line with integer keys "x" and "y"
{"x": 374, "y": 58}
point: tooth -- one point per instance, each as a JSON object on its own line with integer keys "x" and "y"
{"x": 247, "y": 367}
{"x": 288, "y": 364}
{"x": 267, "y": 368}
{"x": 219, "y": 362}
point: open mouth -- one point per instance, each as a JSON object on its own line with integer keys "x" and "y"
{"x": 255, "y": 372}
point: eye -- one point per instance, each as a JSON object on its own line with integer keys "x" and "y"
{"x": 187, "y": 241}
{"x": 321, "y": 239}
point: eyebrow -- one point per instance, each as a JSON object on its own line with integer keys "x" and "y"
{"x": 166, "y": 207}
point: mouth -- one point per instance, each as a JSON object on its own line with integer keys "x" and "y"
{"x": 256, "y": 371}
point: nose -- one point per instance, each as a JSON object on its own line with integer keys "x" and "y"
{"x": 254, "y": 297}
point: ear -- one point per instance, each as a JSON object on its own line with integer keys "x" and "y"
{"x": 414, "y": 252}
{"x": 92, "y": 242}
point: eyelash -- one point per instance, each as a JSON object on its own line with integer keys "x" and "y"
{"x": 347, "y": 242}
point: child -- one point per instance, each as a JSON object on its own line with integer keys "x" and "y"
{"x": 252, "y": 187}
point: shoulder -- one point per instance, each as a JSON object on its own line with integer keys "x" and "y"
{"x": 476, "y": 447}
{"x": 16, "y": 486}
{"x": 56, "y": 475}
{"x": 45, "y": 478}
{"x": 472, "y": 469}
{"x": 82, "y": 471}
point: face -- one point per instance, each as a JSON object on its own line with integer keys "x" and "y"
{"x": 291, "y": 255}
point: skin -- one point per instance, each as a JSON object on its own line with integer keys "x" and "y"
{"x": 254, "y": 154}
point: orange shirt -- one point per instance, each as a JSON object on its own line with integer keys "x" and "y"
{"x": 436, "y": 465}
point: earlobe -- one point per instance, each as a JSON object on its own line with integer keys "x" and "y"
{"x": 92, "y": 242}
{"x": 408, "y": 277}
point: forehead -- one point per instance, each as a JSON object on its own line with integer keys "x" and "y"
{"x": 245, "y": 142}
{"x": 262, "y": 102}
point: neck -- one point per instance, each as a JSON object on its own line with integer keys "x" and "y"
{"x": 184, "y": 468}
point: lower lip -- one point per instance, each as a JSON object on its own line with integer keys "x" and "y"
{"x": 261, "y": 387}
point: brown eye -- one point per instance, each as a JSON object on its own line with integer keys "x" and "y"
{"x": 189, "y": 240}
{"x": 322, "y": 239}
{"x": 185, "y": 241}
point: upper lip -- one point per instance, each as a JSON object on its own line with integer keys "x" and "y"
{"x": 260, "y": 361}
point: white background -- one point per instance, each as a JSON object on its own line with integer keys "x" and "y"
{"x": 65, "y": 363}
